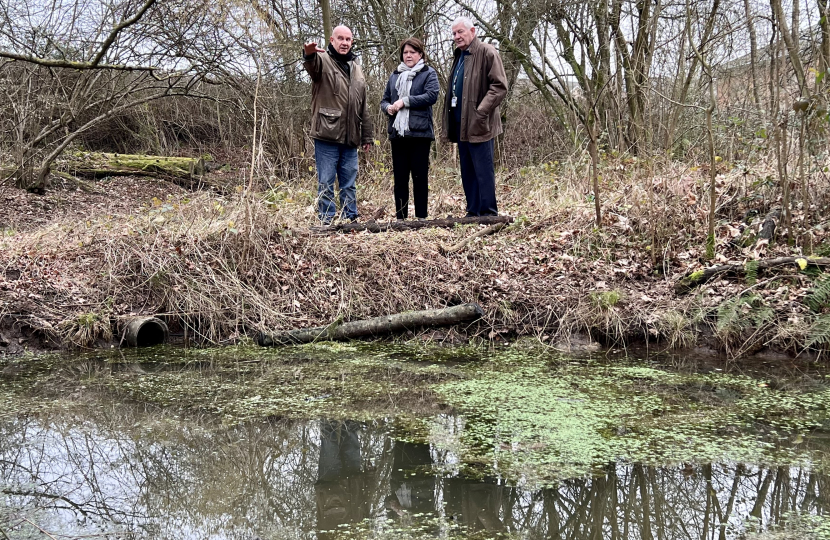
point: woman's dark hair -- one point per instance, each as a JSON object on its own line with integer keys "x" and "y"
{"x": 415, "y": 43}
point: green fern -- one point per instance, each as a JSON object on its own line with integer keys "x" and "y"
{"x": 751, "y": 271}
{"x": 737, "y": 314}
{"x": 819, "y": 333}
{"x": 818, "y": 297}
{"x": 727, "y": 314}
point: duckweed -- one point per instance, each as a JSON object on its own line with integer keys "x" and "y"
{"x": 524, "y": 414}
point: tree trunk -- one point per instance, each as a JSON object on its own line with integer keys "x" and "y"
{"x": 753, "y": 54}
{"x": 713, "y": 193}
{"x": 325, "y": 7}
{"x": 690, "y": 75}
{"x": 791, "y": 45}
{"x": 592, "y": 150}
{"x": 824, "y": 47}
{"x": 377, "y": 326}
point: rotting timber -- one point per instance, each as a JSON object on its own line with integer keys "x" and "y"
{"x": 377, "y": 326}
{"x": 447, "y": 222}
{"x": 185, "y": 171}
{"x": 699, "y": 277}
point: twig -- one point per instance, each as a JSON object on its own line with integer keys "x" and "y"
{"x": 68, "y": 501}
{"x": 460, "y": 245}
{"x": 757, "y": 284}
{"x": 38, "y": 528}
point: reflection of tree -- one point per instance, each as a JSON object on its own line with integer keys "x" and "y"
{"x": 639, "y": 502}
{"x": 154, "y": 484}
{"x": 120, "y": 470}
{"x": 478, "y": 503}
{"x": 67, "y": 472}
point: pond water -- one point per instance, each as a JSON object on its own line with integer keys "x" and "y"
{"x": 88, "y": 450}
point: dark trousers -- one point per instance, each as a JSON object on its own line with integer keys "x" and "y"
{"x": 478, "y": 176}
{"x": 410, "y": 155}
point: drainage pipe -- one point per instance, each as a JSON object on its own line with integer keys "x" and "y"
{"x": 145, "y": 332}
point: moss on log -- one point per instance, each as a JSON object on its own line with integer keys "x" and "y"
{"x": 699, "y": 277}
{"x": 182, "y": 170}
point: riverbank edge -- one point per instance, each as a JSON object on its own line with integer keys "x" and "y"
{"x": 218, "y": 269}
{"x": 18, "y": 339}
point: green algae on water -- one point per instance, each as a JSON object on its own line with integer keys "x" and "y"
{"x": 524, "y": 414}
{"x": 536, "y": 421}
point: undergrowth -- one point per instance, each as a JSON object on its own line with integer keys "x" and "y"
{"x": 220, "y": 267}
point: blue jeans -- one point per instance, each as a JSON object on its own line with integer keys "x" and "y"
{"x": 335, "y": 160}
{"x": 478, "y": 176}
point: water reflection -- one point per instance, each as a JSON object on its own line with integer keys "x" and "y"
{"x": 161, "y": 478}
{"x": 342, "y": 480}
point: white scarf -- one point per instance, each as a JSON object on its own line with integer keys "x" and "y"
{"x": 403, "y": 85}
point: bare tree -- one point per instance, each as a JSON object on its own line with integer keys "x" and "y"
{"x": 83, "y": 66}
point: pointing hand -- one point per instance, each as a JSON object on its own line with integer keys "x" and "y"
{"x": 311, "y": 48}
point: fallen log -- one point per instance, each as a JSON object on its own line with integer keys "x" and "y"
{"x": 372, "y": 327}
{"x": 181, "y": 170}
{"x": 412, "y": 225}
{"x": 699, "y": 277}
{"x": 446, "y": 250}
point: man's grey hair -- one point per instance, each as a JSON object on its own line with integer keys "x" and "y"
{"x": 466, "y": 21}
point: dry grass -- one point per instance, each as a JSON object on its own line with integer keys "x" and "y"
{"x": 227, "y": 266}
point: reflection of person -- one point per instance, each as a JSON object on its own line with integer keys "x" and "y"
{"x": 340, "y": 481}
{"x": 478, "y": 504}
{"x": 340, "y": 121}
{"x": 412, "y": 480}
{"x": 477, "y": 85}
{"x": 411, "y": 92}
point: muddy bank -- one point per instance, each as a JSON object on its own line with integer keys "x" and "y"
{"x": 219, "y": 269}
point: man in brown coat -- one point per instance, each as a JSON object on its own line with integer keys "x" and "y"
{"x": 477, "y": 85}
{"x": 340, "y": 121}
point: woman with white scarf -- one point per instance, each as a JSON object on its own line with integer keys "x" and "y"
{"x": 411, "y": 92}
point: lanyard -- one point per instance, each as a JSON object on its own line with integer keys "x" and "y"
{"x": 458, "y": 68}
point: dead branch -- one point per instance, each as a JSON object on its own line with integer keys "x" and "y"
{"x": 460, "y": 245}
{"x": 699, "y": 277}
{"x": 377, "y": 326}
{"x": 412, "y": 225}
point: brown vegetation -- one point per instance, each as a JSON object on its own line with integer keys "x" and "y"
{"x": 220, "y": 267}
{"x": 642, "y": 142}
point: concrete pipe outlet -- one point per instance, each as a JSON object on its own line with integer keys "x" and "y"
{"x": 145, "y": 332}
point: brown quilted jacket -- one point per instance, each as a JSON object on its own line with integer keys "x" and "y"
{"x": 339, "y": 111}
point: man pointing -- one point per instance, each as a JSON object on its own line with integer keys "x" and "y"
{"x": 340, "y": 121}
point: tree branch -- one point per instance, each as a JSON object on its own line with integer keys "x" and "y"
{"x": 117, "y": 30}
{"x": 95, "y": 63}
{"x": 69, "y": 64}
